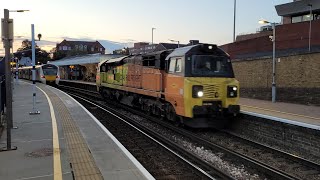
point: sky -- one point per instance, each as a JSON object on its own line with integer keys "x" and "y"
{"x": 129, "y": 21}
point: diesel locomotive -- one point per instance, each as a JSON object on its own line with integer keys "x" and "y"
{"x": 192, "y": 85}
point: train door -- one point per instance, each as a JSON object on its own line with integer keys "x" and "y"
{"x": 174, "y": 84}
{"x": 103, "y": 73}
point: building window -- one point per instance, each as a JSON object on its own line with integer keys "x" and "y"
{"x": 76, "y": 47}
{"x": 60, "y": 48}
{"x": 303, "y": 18}
{"x": 85, "y": 47}
{"x": 81, "y": 47}
{"x": 69, "y": 48}
{"x": 100, "y": 49}
{"x": 307, "y": 17}
{"x": 92, "y": 49}
{"x": 64, "y": 48}
{"x": 296, "y": 19}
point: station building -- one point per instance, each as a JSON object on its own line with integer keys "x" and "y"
{"x": 292, "y": 33}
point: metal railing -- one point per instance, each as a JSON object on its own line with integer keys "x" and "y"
{"x": 2, "y": 98}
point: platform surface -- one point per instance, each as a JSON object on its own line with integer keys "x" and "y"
{"x": 295, "y": 112}
{"x": 86, "y": 150}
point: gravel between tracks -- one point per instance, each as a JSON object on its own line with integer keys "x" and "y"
{"x": 236, "y": 170}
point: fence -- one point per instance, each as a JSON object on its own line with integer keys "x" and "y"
{"x": 2, "y": 98}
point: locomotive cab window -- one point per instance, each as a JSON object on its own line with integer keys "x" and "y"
{"x": 103, "y": 68}
{"x": 176, "y": 65}
{"x": 48, "y": 70}
{"x": 211, "y": 66}
{"x": 172, "y": 65}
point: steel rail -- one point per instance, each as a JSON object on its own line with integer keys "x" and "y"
{"x": 211, "y": 172}
{"x": 251, "y": 161}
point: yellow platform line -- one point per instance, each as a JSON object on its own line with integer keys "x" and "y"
{"x": 292, "y": 114}
{"x": 57, "y": 172}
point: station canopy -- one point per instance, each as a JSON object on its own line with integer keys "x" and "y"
{"x": 86, "y": 59}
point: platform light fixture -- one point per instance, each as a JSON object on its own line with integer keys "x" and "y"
{"x": 234, "y": 20}
{"x": 273, "y": 24}
{"x": 152, "y": 35}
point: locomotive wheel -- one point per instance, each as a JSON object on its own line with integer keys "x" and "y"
{"x": 147, "y": 109}
{"x": 171, "y": 114}
{"x": 179, "y": 121}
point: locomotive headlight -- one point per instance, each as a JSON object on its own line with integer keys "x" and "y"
{"x": 200, "y": 93}
{"x": 197, "y": 91}
{"x": 232, "y": 91}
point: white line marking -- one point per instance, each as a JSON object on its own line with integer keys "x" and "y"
{"x": 115, "y": 140}
{"x": 311, "y": 126}
{"x": 55, "y": 141}
{"x": 36, "y": 177}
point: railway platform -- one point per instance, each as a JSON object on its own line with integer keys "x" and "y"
{"x": 64, "y": 141}
{"x": 297, "y": 114}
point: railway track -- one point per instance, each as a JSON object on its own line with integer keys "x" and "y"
{"x": 277, "y": 165}
{"x": 161, "y": 157}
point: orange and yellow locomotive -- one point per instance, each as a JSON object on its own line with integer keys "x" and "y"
{"x": 192, "y": 85}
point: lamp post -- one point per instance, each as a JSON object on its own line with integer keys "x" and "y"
{"x": 274, "y": 93}
{"x": 234, "y": 20}
{"x": 152, "y": 35}
{"x": 172, "y": 40}
{"x": 34, "y": 110}
{"x": 311, "y": 17}
{"x": 7, "y": 38}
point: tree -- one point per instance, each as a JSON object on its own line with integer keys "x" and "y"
{"x": 25, "y": 50}
{"x": 56, "y": 55}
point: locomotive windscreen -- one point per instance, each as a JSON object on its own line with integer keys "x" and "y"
{"x": 49, "y": 70}
{"x": 211, "y": 66}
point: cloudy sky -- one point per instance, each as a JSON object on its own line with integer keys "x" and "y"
{"x": 128, "y": 21}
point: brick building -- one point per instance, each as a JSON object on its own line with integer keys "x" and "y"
{"x": 142, "y": 48}
{"x": 292, "y": 36}
{"x": 80, "y": 47}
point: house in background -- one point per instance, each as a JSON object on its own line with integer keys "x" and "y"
{"x": 142, "y": 48}
{"x": 71, "y": 48}
{"x": 25, "y": 61}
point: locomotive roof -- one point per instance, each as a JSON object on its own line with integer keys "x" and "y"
{"x": 113, "y": 60}
{"x": 182, "y": 51}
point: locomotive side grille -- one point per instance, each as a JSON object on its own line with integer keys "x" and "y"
{"x": 210, "y": 90}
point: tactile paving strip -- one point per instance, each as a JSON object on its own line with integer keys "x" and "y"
{"x": 83, "y": 164}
